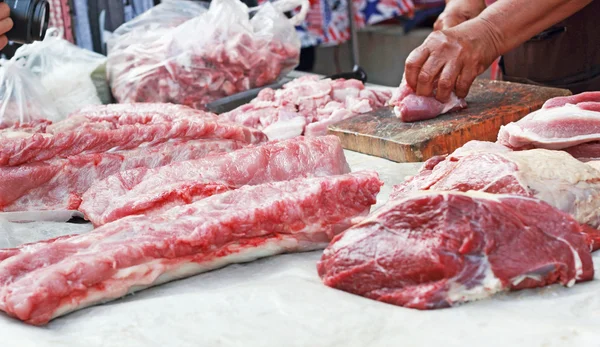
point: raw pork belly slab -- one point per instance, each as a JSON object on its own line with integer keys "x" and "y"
{"x": 552, "y": 176}
{"x": 307, "y": 106}
{"x": 78, "y": 134}
{"x": 42, "y": 281}
{"x": 436, "y": 249}
{"x": 58, "y": 184}
{"x": 583, "y": 98}
{"x": 145, "y": 191}
{"x": 410, "y": 107}
{"x": 561, "y": 123}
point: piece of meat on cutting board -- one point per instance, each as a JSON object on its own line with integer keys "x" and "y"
{"x": 42, "y": 281}
{"x": 491, "y": 104}
{"x": 432, "y": 250}
{"x": 148, "y": 191}
{"x": 410, "y": 107}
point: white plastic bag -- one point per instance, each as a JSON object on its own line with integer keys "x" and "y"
{"x": 217, "y": 53}
{"x": 64, "y": 71}
{"x": 22, "y": 99}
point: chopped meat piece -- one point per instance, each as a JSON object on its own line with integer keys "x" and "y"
{"x": 58, "y": 184}
{"x": 552, "y": 176}
{"x": 410, "y": 107}
{"x": 43, "y": 281}
{"x": 321, "y": 102}
{"x": 432, "y": 250}
{"x": 151, "y": 191}
{"x": 100, "y": 133}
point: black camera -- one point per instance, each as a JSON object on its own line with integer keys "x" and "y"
{"x": 30, "y": 20}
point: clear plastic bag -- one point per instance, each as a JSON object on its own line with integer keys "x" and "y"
{"x": 22, "y": 99}
{"x": 217, "y": 53}
{"x": 64, "y": 72}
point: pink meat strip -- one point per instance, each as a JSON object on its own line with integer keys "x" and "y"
{"x": 58, "y": 184}
{"x": 42, "y": 281}
{"x": 119, "y": 131}
{"x": 410, "y": 107}
{"x": 151, "y": 191}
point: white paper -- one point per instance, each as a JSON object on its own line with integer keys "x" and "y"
{"x": 280, "y": 302}
{"x": 40, "y": 216}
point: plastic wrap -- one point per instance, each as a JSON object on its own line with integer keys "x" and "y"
{"x": 22, "y": 98}
{"x": 64, "y": 71}
{"x": 219, "y": 52}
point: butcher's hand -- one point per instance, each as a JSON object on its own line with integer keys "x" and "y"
{"x": 6, "y": 24}
{"x": 458, "y": 11}
{"x": 451, "y": 59}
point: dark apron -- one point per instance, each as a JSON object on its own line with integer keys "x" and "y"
{"x": 567, "y": 55}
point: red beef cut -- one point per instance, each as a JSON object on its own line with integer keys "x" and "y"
{"x": 39, "y": 282}
{"x": 552, "y": 176}
{"x": 432, "y": 250}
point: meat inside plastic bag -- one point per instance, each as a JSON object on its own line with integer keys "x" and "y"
{"x": 219, "y": 52}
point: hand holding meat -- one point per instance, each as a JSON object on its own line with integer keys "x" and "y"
{"x": 449, "y": 60}
{"x": 469, "y": 36}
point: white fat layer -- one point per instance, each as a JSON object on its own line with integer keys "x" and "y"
{"x": 489, "y": 286}
{"x": 576, "y": 259}
{"x": 159, "y": 271}
{"x": 518, "y": 279}
{"x": 561, "y": 181}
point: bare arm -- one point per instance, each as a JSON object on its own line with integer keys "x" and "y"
{"x": 458, "y": 11}
{"x": 456, "y": 56}
{"x": 512, "y": 22}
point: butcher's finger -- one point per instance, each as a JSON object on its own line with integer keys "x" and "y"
{"x": 3, "y": 41}
{"x": 429, "y": 75}
{"x": 4, "y": 10}
{"x": 464, "y": 81}
{"x": 413, "y": 65}
{"x": 5, "y": 25}
{"x": 447, "y": 81}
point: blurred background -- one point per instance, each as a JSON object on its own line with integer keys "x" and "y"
{"x": 387, "y": 31}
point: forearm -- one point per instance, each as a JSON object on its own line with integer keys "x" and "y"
{"x": 457, "y": 12}
{"x": 509, "y": 23}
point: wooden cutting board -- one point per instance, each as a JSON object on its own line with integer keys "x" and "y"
{"x": 491, "y": 104}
